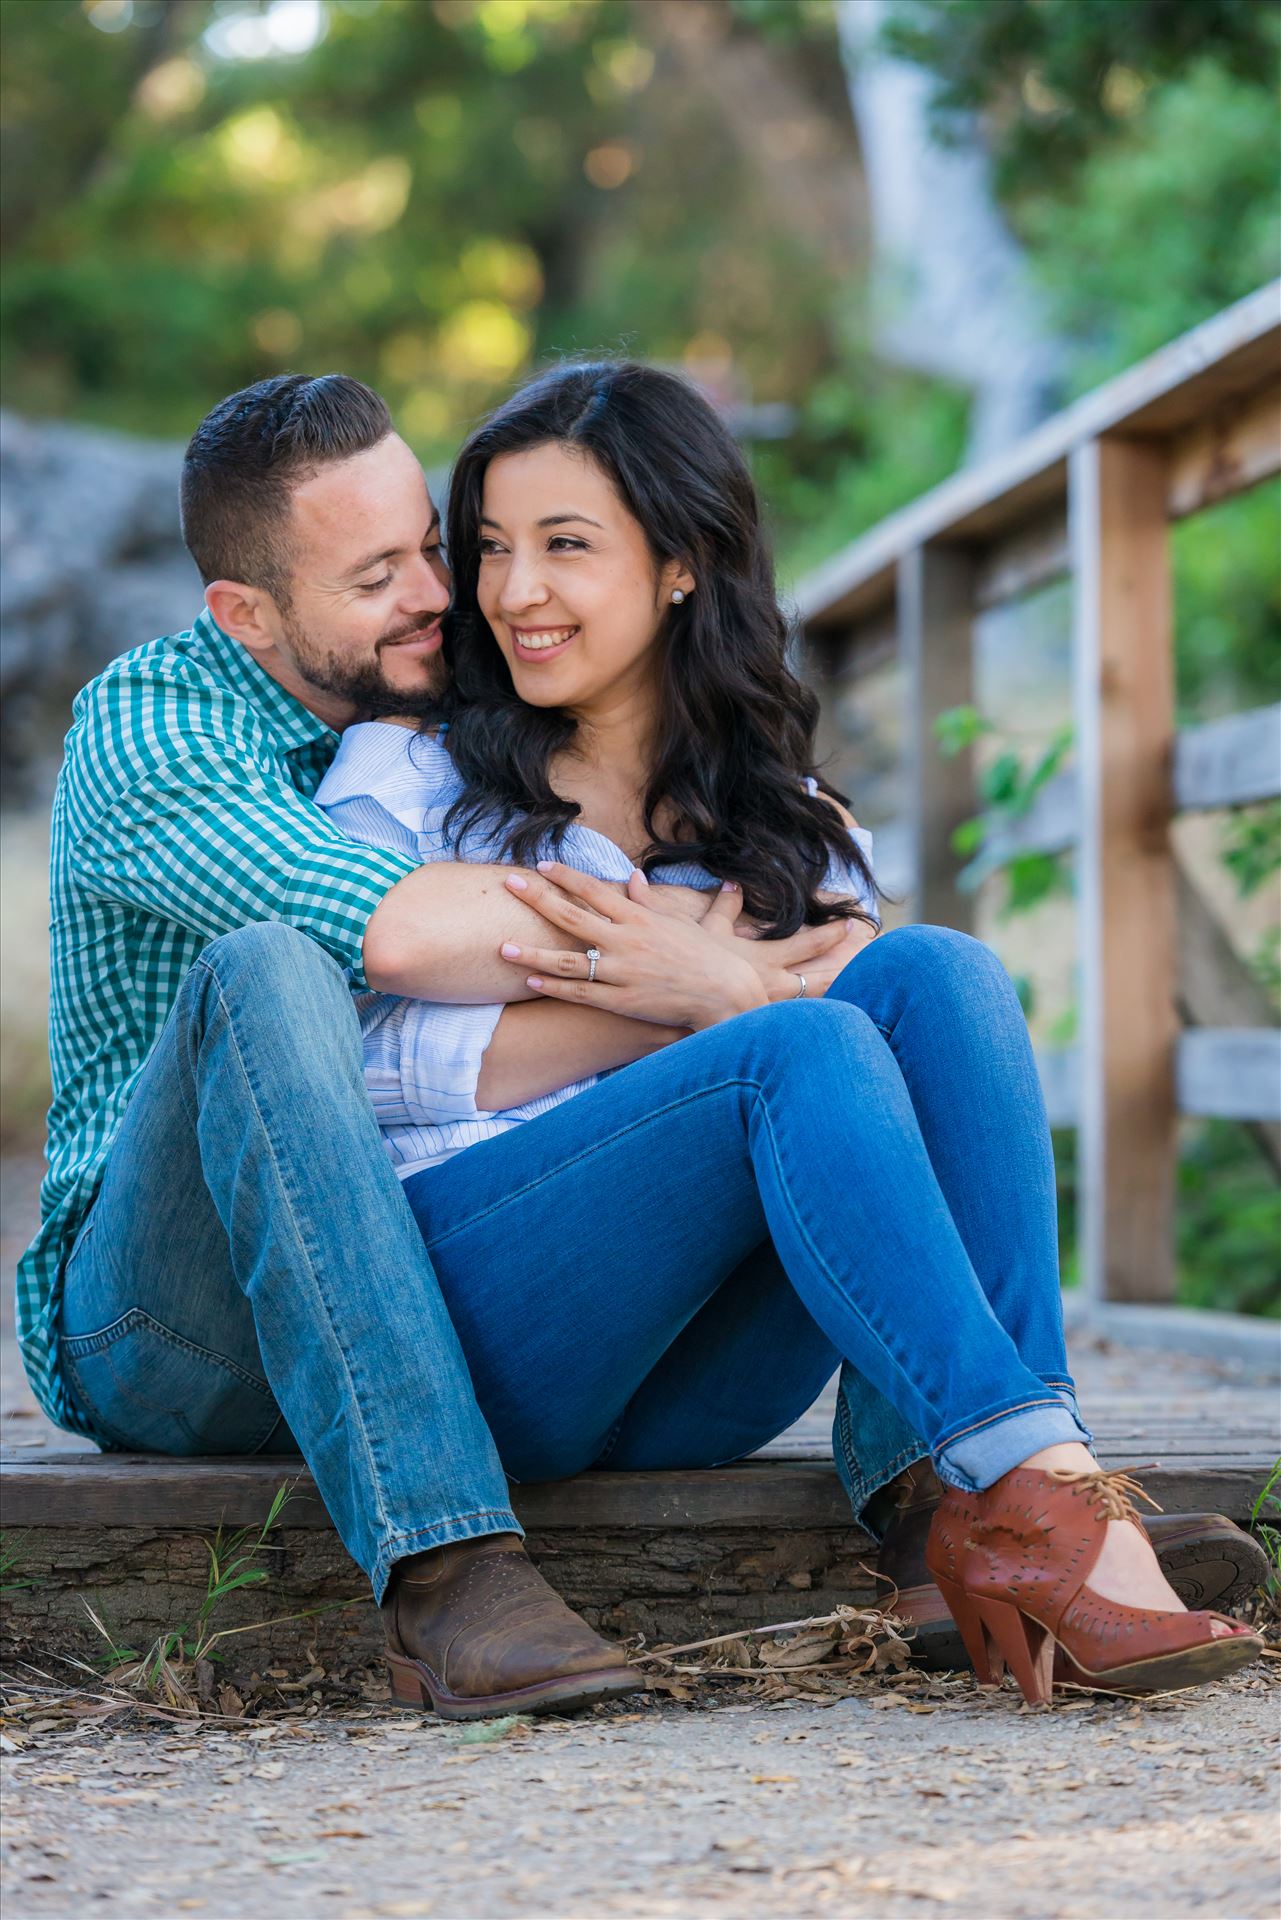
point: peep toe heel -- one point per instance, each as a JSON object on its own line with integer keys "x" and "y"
{"x": 1012, "y": 1565}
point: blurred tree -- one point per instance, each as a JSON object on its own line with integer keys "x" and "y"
{"x": 1055, "y": 77}
{"x": 435, "y": 194}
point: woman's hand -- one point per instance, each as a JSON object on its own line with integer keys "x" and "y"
{"x": 782, "y": 962}
{"x": 653, "y": 966}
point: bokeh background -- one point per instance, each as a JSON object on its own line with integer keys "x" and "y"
{"x": 886, "y": 235}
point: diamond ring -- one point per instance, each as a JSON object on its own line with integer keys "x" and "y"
{"x": 593, "y": 955}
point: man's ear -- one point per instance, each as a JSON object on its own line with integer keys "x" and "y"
{"x": 246, "y": 613}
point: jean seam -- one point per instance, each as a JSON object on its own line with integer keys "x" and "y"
{"x": 1004, "y": 1413}
{"x": 81, "y": 1344}
{"x": 312, "y": 1265}
{"x": 116, "y": 1434}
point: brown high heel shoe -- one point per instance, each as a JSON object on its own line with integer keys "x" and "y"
{"x": 1012, "y": 1564}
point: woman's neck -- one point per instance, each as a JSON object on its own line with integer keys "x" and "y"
{"x": 613, "y": 745}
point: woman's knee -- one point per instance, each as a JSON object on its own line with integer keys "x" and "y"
{"x": 941, "y": 956}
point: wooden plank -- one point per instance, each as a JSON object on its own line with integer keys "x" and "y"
{"x": 1124, "y": 716}
{"x": 1029, "y": 558}
{"x": 1229, "y": 762}
{"x": 145, "y": 1490}
{"x": 1234, "y": 447}
{"x": 935, "y": 608}
{"x": 1231, "y": 1073}
{"x": 777, "y": 1496}
{"x": 1224, "y": 1073}
{"x": 1230, "y": 355}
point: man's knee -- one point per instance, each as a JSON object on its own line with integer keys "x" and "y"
{"x": 273, "y": 979}
{"x": 273, "y": 953}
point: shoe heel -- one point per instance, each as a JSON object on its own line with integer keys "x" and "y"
{"x": 985, "y": 1655}
{"x": 1027, "y": 1649}
{"x": 407, "y": 1688}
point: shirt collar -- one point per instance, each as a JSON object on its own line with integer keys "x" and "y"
{"x": 296, "y": 724}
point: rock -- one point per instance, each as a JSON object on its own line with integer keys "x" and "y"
{"x": 91, "y": 564}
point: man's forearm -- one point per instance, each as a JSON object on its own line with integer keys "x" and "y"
{"x": 544, "y": 1045}
{"x": 436, "y": 936}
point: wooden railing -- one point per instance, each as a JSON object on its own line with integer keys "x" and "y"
{"x": 1091, "y": 495}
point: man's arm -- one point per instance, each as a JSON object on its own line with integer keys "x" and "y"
{"x": 436, "y": 935}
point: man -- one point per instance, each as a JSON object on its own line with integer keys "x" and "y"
{"x": 226, "y": 1262}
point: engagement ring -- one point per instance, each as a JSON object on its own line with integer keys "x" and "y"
{"x": 593, "y": 955}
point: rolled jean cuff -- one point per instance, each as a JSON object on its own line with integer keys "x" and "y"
{"x": 977, "y": 1458}
{"x": 464, "y": 1526}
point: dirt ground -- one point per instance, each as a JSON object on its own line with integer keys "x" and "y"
{"x": 877, "y": 1806}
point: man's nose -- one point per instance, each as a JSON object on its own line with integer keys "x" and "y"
{"x": 428, "y": 586}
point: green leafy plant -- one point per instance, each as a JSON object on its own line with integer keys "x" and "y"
{"x": 11, "y": 1562}
{"x": 165, "y": 1668}
{"x": 1008, "y": 787}
{"x": 1251, "y": 847}
{"x": 1265, "y": 1524}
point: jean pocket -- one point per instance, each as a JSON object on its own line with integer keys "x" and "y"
{"x": 147, "y": 1389}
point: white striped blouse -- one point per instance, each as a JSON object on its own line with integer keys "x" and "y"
{"x": 390, "y": 787}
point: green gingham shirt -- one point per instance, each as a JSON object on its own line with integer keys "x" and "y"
{"x": 183, "y": 811}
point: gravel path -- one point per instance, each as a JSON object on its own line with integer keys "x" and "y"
{"x": 868, "y": 1808}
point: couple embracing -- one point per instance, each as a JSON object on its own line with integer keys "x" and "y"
{"x": 475, "y": 1059}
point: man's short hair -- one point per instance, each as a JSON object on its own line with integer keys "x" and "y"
{"x": 247, "y": 456}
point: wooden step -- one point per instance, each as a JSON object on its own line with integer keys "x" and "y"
{"x": 670, "y": 1555}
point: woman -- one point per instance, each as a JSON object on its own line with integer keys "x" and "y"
{"x": 661, "y": 1266}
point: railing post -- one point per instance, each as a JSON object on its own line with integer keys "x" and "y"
{"x": 1124, "y": 684}
{"x": 935, "y": 625}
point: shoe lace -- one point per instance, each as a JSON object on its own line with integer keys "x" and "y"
{"x": 1116, "y": 1491}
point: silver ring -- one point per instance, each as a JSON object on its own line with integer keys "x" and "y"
{"x": 593, "y": 955}
{"x": 800, "y": 991}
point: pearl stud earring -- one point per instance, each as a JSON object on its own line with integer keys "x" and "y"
{"x": 678, "y": 598}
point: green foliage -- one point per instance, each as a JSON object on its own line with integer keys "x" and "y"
{"x": 868, "y": 439}
{"x": 11, "y": 1569}
{"x": 1227, "y": 605}
{"x": 1195, "y": 175}
{"x": 1265, "y": 1523}
{"x": 163, "y": 1669}
{"x": 1252, "y": 845}
{"x": 1008, "y": 786}
{"x": 1228, "y": 1222}
{"x": 1058, "y": 79}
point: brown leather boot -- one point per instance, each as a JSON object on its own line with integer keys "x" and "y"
{"x": 473, "y": 1629}
{"x": 1208, "y": 1560}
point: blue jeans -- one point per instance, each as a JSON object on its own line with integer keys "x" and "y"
{"x": 666, "y": 1270}
{"x": 251, "y": 1279}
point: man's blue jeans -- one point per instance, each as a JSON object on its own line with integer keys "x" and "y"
{"x": 664, "y": 1271}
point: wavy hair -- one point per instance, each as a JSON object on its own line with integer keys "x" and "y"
{"x": 735, "y": 727}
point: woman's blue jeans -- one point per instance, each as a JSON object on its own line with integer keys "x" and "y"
{"x": 664, "y": 1271}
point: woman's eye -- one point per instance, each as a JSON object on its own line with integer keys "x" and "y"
{"x": 488, "y": 548}
{"x": 563, "y": 543}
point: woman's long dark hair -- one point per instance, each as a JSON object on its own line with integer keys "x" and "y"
{"x": 735, "y": 727}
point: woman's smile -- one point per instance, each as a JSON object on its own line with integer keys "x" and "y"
{"x": 540, "y": 643}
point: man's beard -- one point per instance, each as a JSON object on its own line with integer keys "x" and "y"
{"x": 362, "y": 682}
